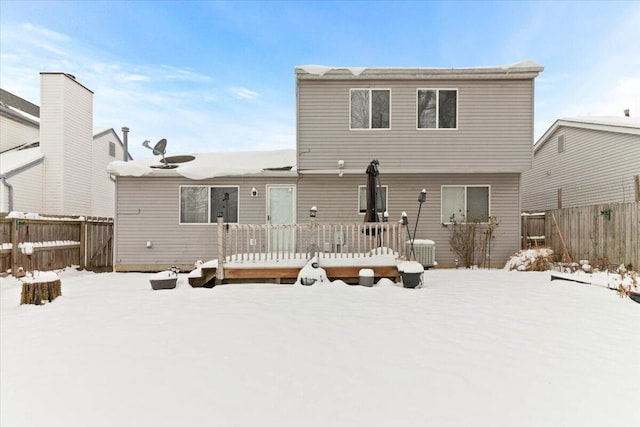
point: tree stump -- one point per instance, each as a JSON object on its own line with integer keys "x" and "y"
{"x": 36, "y": 292}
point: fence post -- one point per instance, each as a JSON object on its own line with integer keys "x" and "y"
{"x": 221, "y": 255}
{"x": 524, "y": 225}
{"x": 83, "y": 243}
{"x": 14, "y": 247}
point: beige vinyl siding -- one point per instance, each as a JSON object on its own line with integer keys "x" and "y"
{"x": 14, "y": 133}
{"x": 494, "y": 133}
{"x": 27, "y": 190}
{"x": 148, "y": 209}
{"x": 337, "y": 201}
{"x": 596, "y": 167}
{"x": 103, "y": 188}
{"x": 66, "y": 135}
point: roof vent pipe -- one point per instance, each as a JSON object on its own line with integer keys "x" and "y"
{"x": 626, "y": 112}
{"x": 125, "y": 142}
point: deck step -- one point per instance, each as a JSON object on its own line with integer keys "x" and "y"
{"x": 207, "y": 278}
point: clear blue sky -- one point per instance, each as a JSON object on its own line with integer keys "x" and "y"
{"x": 219, "y": 76}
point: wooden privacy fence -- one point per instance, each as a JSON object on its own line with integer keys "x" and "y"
{"x": 609, "y": 232}
{"x": 55, "y": 243}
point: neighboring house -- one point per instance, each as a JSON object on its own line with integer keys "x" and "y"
{"x": 584, "y": 161}
{"x": 463, "y": 134}
{"x": 51, "y": 159}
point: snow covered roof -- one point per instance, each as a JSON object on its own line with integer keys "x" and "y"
{"x": 13, "y": 161}
{"x": 210, "y": 165}
{"x": 522, "y": 69}
{"x": 618, "y": 124}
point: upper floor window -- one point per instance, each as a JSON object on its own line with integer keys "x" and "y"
{"x": 112, "y": 149}
{"x": 437, "y": 108}
{"x": 370, "y": 108}
{"x": 202, "y": 204}
{"x": 465, "y": 203}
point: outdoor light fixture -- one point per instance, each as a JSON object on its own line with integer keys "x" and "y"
{"x": 254, "y": 192}
{"x": 313, "y": 212}
{"x": 423, "y": 196}
{"x": 385, "y": 216}
{"x": 405, "y": 219}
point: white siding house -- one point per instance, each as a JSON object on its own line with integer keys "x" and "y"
{"x": 51, "y": 160}
{"x": 584, "y": 161}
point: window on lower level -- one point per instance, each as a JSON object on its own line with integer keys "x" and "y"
{"x": 381, "y": 202}
{"x": 437, "y": 108}
{"x": 203, "y": 204}
{"x": 465, "y": 203}
{"x": 370, "y": 108}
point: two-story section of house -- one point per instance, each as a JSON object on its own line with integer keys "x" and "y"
{"x": 463, "y": 134}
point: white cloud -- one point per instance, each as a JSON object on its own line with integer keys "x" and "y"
{"x": 133, "y": 78}
{"x": 243, "y": 93}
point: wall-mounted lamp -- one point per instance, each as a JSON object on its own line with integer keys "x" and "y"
{"x": 385, "y": 216}
{"x": 149, "y": 244}
{"x": 254, "y": 192}
{"x": 340, "y": 164}
{"x": 313, "y": 212}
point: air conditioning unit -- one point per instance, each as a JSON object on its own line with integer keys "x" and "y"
{"x": 424, "y": 251}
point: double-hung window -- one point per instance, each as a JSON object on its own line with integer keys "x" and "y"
{"x": 381, "y": 199}
{"x": 203, "y": 204}
{"x": 370, "y": 108}
{"x": 437, "y": 108}
{"x": 465, "y": 203}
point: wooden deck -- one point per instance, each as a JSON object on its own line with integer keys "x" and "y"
{"x": 348, "y": 274}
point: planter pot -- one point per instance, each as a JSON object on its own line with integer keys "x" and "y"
{"x": 411, "y": 273}
{"x": 168, "y": 283}
{"x": 411, "y": 280}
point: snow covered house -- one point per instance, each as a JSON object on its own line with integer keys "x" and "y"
{"x": 584, "y": 161}
{"x": 463, "y": 134}
{"x": 52, "y": 161}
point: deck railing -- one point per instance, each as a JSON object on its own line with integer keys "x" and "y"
{"x": 269, "y": 242}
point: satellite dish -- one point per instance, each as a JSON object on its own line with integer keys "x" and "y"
{"x": 159, "y": 149}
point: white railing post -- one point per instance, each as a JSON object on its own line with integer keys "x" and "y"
{"x": 221, "y": 246}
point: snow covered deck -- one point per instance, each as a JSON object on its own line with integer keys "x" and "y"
{"x": 285, "y": 269}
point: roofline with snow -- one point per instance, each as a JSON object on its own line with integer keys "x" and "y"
{"x": 586, "y": 123}
{"x": 15, "y": 115}
{"x": 519, "y": 70}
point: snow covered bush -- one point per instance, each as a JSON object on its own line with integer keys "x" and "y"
{"x": 629, "y": 281}
{"x": 540, "y": 259}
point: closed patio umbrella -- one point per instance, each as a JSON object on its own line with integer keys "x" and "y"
{"x": 371, "y": 215}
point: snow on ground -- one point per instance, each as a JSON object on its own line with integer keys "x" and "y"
{"x": 469, "y": 348}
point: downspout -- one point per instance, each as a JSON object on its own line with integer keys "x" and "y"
{"x": 10, "y": 191}
{"x": 125, "y": 142}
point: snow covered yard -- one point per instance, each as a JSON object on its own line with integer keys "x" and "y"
{"x": 470, "y": 348}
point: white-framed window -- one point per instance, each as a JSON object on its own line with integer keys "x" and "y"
{"x": 381, "y": 203}
{"x": 437, "y": 108}
{"x": 203, "y": 204}
{"x": 370, "y": 108}
{"x": 465, "y": 202}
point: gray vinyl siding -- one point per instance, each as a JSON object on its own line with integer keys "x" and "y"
{"x": 596, "y": 167}
{"x": 148, "y": 209}
{"x": 337, "y": 201}
{"x": 494, "y": 134}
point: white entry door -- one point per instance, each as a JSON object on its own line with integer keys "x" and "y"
{"x": 281, "y": 209}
